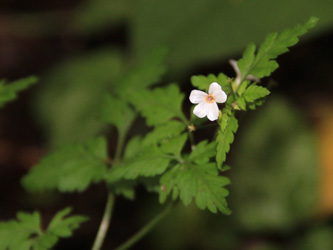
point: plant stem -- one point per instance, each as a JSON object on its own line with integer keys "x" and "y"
{"x": 120, "y": 145}
{"x": 140, "y": 234}
{"x": 190, "y": 135}
{"x": 103, "y": 228}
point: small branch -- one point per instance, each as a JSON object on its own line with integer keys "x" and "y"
{"x": 103, "y": 228}
{"x": 139, "y": 235}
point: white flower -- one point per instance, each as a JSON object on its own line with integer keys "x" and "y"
{"x": 207, "y": 102}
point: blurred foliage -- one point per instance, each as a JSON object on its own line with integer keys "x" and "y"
{"x": 68, "y": 102}
{"x": 70, "y": 168}
{"x": 275, "y": 169}
{"x": 194, "y": 32}
{"x": 9, "y": 91}
{"x": 26, "y": 233}
{"x": 273, "y": 192}
{"x": 276, "y": 186}
{"x": 318, "y": 238}
{"x": 94, "y": 16}
{"x": 201, "y": 31}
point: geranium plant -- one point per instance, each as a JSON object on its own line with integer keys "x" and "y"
{"x": 169, "y": 160}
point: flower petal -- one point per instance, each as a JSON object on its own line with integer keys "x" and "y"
{"x": 197, "y": 96}
{"x": 214, "y": 87}
{"x": 201, "y": 109}
{"x": 220, "y": 97}
{"x": 212, "y": 111}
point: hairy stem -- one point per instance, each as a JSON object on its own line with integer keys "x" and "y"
{"x": 140, "y": 234}
{"x": 103, "y": 228}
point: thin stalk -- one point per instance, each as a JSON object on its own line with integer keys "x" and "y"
{"x": 140, "y": 234}
{"x": 120, "y": 145}
{"x": 190, "y": 135}
{"x": 103, "y": 228}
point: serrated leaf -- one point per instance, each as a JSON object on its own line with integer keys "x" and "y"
{"x": 159, "y": 105}
{"x": 247, "y": 60}
{"x": 133, "y": 147}
{"x": 63, "y": 227}
{"x": 146, "y": 74}
{"x": 71, "y": 168}
{"x": 241, "y": 89}
{"x": 225, "y": 137}
{"x": 162, "y": 131}
{"x": 241, "y": 102}
{"x": 174, "y": 145}
{"x": 254, "y": 92}
{"x": 263, "y": 64}
{"x": 203, "y": 152}
{"x": 117, "y": 112}
{"x": 126, "y": 188}
{"x": 16, "y": 234}
{"x": 201, "y": 182}
{"x": 8, "y": 92}
{"x": 149, "y": 161}
{"x": 202, "y": 82}
{"x": 25, "y": 233}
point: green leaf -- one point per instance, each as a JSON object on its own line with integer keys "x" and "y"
{"x": 126, "y": 188}
{"x": 263, "y": 64}
{"x": 201, "y": 182}
{"x": 63, "y": 227}
{"x": 203, "y": 152}
{"x": 67, "y": 105}
{"x": 203, "y": 82}
{"x": 117, "y": 112}
{"x": 159, "y": 105}
{"x": 25, "y": 233}
{"x": 241, "y": 103}
{"x": 71, "y": 168}
{"x": 254, "y": 92}
{"x": 149, "y": 161}
{"x": 8, "y": 92}
{"x": 133, "y": 147}
{"x": 146, "y": 74}
{"x": 174, "y": 145}
{"x": 162, "y": 131}
{"x": 18, "y": 234}
{"x": 225, "y": 136}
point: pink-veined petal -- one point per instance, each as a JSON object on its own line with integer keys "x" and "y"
{"x": 197, "y": 96}
{"x": 201, "y": 109}
{"x": 221, "y": 97}
{"x": 212, "y": 111}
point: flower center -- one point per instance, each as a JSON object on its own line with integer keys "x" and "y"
{"x": 210, "y": 99}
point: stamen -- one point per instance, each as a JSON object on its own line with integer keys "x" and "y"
{"x": 210, "y": 99}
